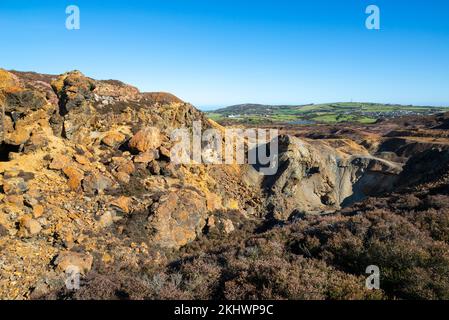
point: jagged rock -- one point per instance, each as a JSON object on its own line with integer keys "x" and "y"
{"x": 74, "y": 91}
{"x": 122, "y": 177}
{"x": 37, "y": 140}
{"x": 38, "y": 211}
{"x": 106, "y": 220}
{"x": 154, "y": 168}
{"x": 146, "y": 139}
{"x": 81, "y": 159}
{"x": 165, "y": 152}
{"x": 315, "y": 177}
{"x": 14, "y": 199}
{"x": 20, "y": 103}
{"x": 127, "y": 167}
{"x": 8, "y": 80}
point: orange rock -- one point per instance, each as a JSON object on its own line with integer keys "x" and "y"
{"x": 59, "y": 161}
{"x": 146, "y": 139}
{"x": 7, "y": 79}
{"x": 213, "y": 202}
{"x": 146, "y": 157}
{"x": 122, "y": 177}
{"x": 28, "y": 227}
{"x": 14, "y": 200}
{"x": 113, "y": 139}
{"x": 127, "y": 167}
{"x": 81, "y": 159}
{"x": 165, "y": 152}
{"x": 75, "y": 177}
{"x": 122, "y": 203}
{"x": 19, "y": 136}
{"x": 38, "y": 211}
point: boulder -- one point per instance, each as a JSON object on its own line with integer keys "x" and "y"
{"x": 146, "y": 139}
{"x": 178, "y": 218}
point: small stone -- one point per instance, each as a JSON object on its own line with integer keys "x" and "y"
{"x": 154, "y": 168}
{"x": 228, "y": 226}
{"x": 28, "y": 227}
{"x": 213, "y": 202}
{"x": 106, "y": 220}
{"x": 107, "y": 258}
{"x": 96, "y": 183}
{"x": 164, "y": 152}
{"x": 38, "y": 211}
{"x": 122, "y": 177}
{"x": 211, "y": 222}
{"x": 29, "y": 200}
{"x": 14, "y": 200}
{"x": 127, "y": 167}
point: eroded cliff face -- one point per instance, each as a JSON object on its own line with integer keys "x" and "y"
{"x": 319, "y": 176}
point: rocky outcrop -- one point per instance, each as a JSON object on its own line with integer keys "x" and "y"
{"x": 85, "y": 170}
{"x": 316, "y": 177}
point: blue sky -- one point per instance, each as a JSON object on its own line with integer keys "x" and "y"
{"x": 223, "y": 52}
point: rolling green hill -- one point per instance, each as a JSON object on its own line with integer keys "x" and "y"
{"x": 317, "y": 113}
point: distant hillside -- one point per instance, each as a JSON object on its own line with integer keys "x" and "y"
{"x": 250, "y": 108}
{"x": 361, "y": 112}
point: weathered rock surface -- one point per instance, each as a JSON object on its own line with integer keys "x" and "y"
{"x": 82, "y": 161}
{"x": 314, "y": 177}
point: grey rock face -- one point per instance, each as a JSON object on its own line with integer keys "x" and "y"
{"x": 315, "y": 177}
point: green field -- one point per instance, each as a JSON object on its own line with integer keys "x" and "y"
{"x": 317, "y": 113}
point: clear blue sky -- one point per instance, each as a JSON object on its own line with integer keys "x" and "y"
{"x": 222, "y": 52}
